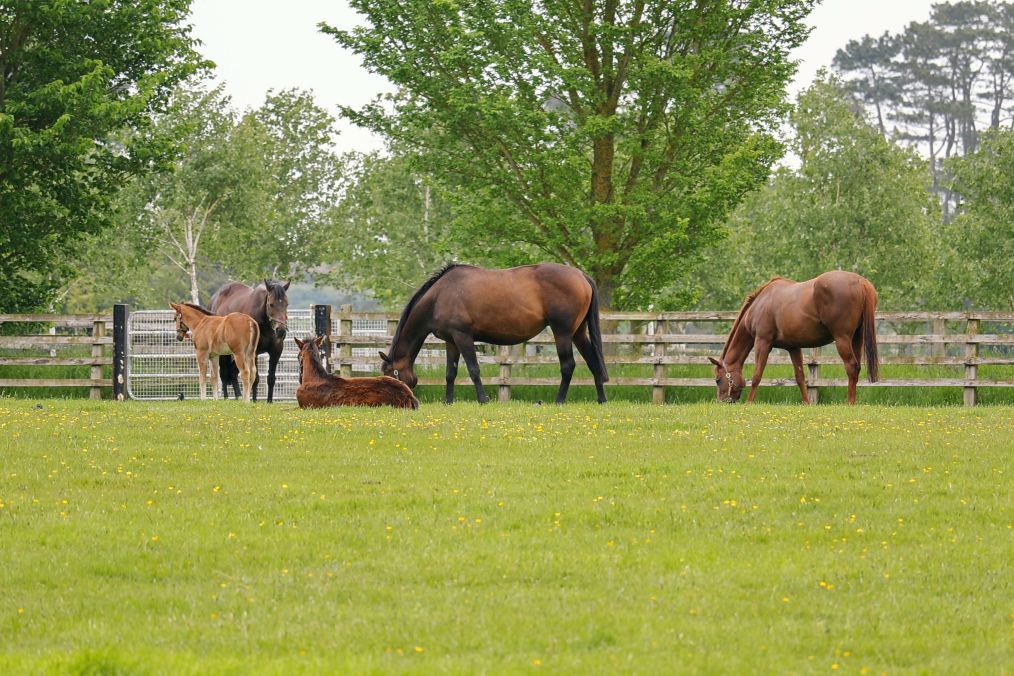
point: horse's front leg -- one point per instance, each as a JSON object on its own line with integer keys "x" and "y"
{"x": 215, "y": 384}
{"x": 466, "y": 346}
{"x": 453, "y": 353}
{"x": 273, "y": 357}
{"x": 796, "y": 354}
{"x": 763, "y": 348}
{"x": 202, "y": 373}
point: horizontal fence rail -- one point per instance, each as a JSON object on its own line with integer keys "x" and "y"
{"x": 689, "y": 338}
{"x": 149, "y": 363}
{"x": 43, "y": 341}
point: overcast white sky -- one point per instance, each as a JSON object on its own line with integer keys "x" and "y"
{"x": 266, "y": 44}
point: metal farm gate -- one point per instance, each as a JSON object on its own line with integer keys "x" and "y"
{"x": 160, "y": 367}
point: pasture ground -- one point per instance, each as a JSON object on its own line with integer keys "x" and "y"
{"x": 224, "y": 538}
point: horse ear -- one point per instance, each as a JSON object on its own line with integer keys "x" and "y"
{"x": 319, "y": 341}
{"x": 267, "y": 283}
{"x": 715, "y": 362}
{"x": 384, "y": 357}
{"x": 174, "y": 306}
{"x": 299, "y": 343}
{"x": 286, "y": 287}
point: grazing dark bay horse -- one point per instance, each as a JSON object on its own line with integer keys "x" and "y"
{"x": 234, "y": 334}
{"x": 320, "y": 389}
{"x": 835, "y": 307}
{"x": 268, "y": 304}
{"x": 462, "y": 304}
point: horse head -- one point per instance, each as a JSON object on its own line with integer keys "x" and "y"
{"x": 276, "y": 306}
{"x": 311, "y": 349}
{"x": 182, "y": 330}
{"x": 402, "y": 370}
{"x": 730, "y": 382}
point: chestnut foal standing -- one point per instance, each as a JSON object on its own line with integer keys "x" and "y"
{"x": 320, "y": 389}
{"x": 235, "y": 333}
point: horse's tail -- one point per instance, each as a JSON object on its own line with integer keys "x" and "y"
{"x": 869, "y": 329}
{"x": 595, "y": 330}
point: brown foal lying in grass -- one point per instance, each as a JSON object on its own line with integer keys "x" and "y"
{"x": 320, "y": 389}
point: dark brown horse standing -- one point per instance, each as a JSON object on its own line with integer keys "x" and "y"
{"x": 462, "y": 304}
{"x": 835, "y": 307}
{"x": 268, "y": 304}
{"x": 320, "y": 389}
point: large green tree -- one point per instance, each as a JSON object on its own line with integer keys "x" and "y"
{"x": 613, "y": 135}
{"x": 79, "y": 83}
{"x": 983, "y": 233}
{"x": 857, "y": 202}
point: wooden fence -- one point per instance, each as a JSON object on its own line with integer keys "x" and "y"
{"x": 104, "y": 334}
{"x": 657, "y": 341}
{"x": 683, "y": 338}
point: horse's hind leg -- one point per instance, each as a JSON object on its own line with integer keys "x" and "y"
{"x": 587, "y": 350}
{"x": 453, "y": 354}
{"x": 844, "y": 346}
{"x": 466, "y": 346}
{"x": 565, "y": 351}
{"x": 247, "y": 366}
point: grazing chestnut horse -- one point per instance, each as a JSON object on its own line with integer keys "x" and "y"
{"x": 236, "y": 334}
{"x": 269, "y": 306}
{"x": 835, "y": 307}
{"x": 320, "y": 389}
{"x": 462, "y": 304}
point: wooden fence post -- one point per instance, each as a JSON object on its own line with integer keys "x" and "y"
{"x": 939, "y": 328}
{"x": 322, "y": 327}
{"x": 505, "y": 373}
{"x": 971, "y": 368}
{"x": 658, "y": 372}
{"x": 345, "y": 332}
{"x": 98, "y": 331}
{"x": 121, "y": 351}
{"x": 813, "y": 367}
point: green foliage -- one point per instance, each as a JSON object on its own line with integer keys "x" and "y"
{"x": 504, "y": 538}
{"x": 76, "y": 76}
{"x": 856, "y": 202}
{"x": 983, "y": 233}
{"x": 244, "y": 197}
{"x": 390, "y": 231}
{"x": 615, "y": 137}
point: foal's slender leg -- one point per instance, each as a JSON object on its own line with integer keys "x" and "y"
{"x": 844, "y": 346}
{"x": 215, "y": 384}
{"x": 763, "y": 348}
{"x": 587, "y": 350}
{"x": 202, "y": 373}
{"x": 565, "y": 351}
{"x": 453, "y": 353}
{"x": 466, "y": 346}
{"x": 796, "y": 354}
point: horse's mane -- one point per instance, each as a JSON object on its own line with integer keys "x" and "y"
{"x": 427, "y": 285}
{"x": 199, "y": 308}
{"x": 750, "y": 298}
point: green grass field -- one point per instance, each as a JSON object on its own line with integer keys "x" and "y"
{"x": 225, "y": 538}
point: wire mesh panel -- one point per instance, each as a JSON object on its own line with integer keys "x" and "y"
{"x": 161, "y": 367}
{"x": 365, "y": 357}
